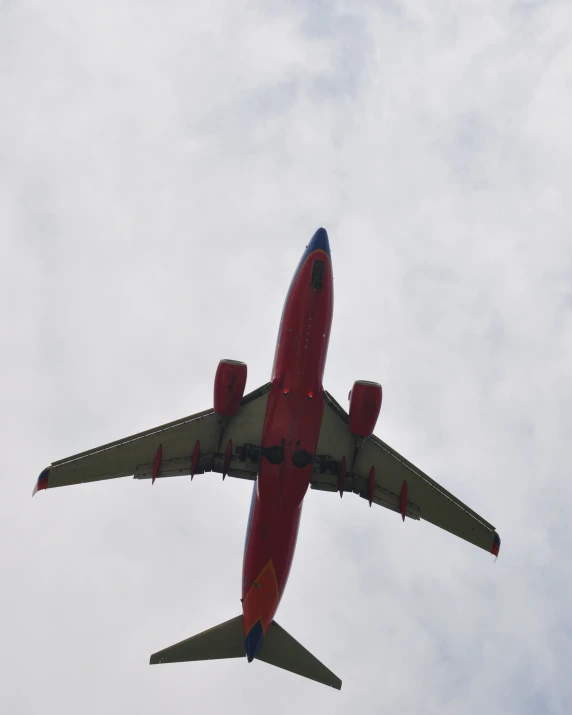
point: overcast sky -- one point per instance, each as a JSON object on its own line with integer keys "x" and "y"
{"x": 162, "y": 167}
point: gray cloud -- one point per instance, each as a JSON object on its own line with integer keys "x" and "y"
{"x": 161, "y": 169}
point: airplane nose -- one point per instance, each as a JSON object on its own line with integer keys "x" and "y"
{"x": 320, "y": 242}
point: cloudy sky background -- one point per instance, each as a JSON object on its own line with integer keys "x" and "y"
{"x": 162, "y": 166}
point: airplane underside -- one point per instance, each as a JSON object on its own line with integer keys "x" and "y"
{"x": 286, "y": 436}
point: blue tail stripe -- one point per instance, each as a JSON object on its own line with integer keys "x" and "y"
{"x": 253, "y": 640}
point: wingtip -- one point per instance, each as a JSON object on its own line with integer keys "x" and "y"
{"x": 496, "y": 545}
{"x": 42, "y": 481}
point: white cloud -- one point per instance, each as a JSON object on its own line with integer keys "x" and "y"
{"x": 161, "y": 168}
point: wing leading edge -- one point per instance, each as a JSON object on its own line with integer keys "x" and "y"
{"x": 378, "y": 473}
{"x": 193, "y": 445}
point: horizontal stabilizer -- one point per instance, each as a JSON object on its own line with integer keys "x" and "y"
{"x": 283, "y": 651}
{"x": 227, "y": 641}
{"x": 223, "y": 641}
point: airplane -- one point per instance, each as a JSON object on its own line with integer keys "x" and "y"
{"x": 286, "y": 436}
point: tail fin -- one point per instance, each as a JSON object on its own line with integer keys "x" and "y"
{"x": 227, "y": 641}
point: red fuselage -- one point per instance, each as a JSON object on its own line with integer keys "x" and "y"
{"x": 289, "y": 439}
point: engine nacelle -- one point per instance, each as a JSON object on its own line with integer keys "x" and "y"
{"x": 230, "y": 381}
{"x": 365, "y": 404}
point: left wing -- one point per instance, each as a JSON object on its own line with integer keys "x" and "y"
{"x": 192, "y": 445}
{"x": 378, "y": 473}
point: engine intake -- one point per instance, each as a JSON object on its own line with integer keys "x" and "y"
{"x": 230, "y": 381}
{"x": 365, "y": 404}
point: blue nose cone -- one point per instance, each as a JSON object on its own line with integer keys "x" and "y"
{"x": 253, "y": 641}
{"x": 320, "y": 242}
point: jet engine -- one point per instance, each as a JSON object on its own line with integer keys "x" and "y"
{"x": 230, "y": 381}
{"x": 365, "y": 404}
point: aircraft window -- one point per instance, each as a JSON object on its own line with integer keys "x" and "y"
{"x": 301, "y": 458}
{"x": 274, "y": 454}
{"x": 318, "y": 274}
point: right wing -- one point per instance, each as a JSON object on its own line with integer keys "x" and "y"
{"x": 169, "y": 449}
{"x": 395, "y": 483}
